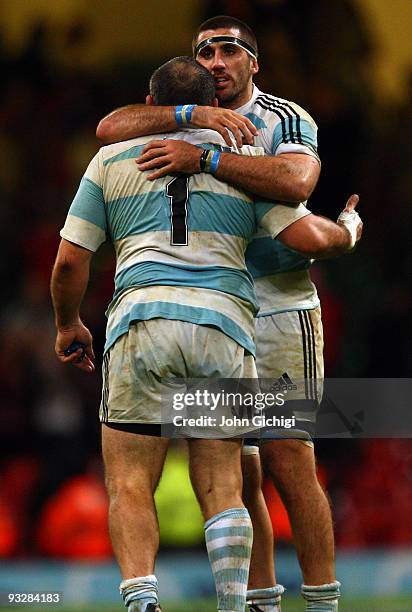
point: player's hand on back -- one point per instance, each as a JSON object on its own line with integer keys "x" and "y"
{"x": 169, "y": 156}
{"x": 223, "y": 119}
{"x": 83, "y": 356}
{"x": 350, "y": 219}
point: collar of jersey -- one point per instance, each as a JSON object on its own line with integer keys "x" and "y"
{"x": 246, "y": 107}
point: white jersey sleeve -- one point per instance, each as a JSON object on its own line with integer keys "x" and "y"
{"x": 279, "y": 217}
{"x": 86, "y": 222}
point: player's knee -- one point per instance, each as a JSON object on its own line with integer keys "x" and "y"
{"x": 278, "y": 452}
{"x": 129, "y": 487}
{"x": 287, "y": 460}
{"x": 115, "y": 486}
{"x": 232, "y": 486}
{"x": 216, "y": 494}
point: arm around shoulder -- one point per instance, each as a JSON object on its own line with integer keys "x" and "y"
{"x": 135, "y": 120}
{"x": 290, "y": 177}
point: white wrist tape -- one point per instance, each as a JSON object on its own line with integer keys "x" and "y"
{"x": 351, "y": 220}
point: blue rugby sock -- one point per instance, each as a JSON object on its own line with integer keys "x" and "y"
{"x": 229, "y": 538}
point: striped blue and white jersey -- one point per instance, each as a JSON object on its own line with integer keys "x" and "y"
{"x": 179, "y": 240}
{"x": 281, "y": 275}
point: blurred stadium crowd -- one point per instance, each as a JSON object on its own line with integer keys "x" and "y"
{"x": 52, "y": 500}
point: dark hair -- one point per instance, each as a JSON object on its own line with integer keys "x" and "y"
{"x": 225, "y": 21}
{"x": 182, "y": 80}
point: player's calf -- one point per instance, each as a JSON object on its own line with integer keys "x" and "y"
{"x": 217, "y": 481}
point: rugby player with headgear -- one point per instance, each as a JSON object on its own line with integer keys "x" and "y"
{"x": 288, "y": 327}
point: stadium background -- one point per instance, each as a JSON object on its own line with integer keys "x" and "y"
{"x": 63, "y": 66}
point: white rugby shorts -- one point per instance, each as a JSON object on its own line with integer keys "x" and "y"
{"x": 140, "y": 368}
{"x": 290, "y": 356}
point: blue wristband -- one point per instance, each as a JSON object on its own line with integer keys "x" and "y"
{"x": 183, "y": 114}
{"x": 214, "y": 162}
{"x": 178, "y": 115}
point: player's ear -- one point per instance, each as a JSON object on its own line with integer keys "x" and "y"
{"x": 255, "y": 66}
{"x": 215, "y": 102}
{"x": 149, "y": 100}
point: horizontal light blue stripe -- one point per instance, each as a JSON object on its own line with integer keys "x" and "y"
{"x": 213, "y": 533}
{"x": 228, "y": 551}
{"x": 206, "y": 212}
{"x": 88, "y": 204}
{"x": 227, "y": 280}
{"x": 230, "y": 574}
{"x": 138, "y": 214}
{"x": 180, "y": 312}
{"x": 307, "y": 130}
{"x": 128, "y": 154}
{"x": 265, "y": 256}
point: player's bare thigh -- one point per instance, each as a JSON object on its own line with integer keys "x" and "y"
{"x": 132, "y": 460}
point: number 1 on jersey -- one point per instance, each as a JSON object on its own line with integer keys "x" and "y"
{"x": 178, "y": 193}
